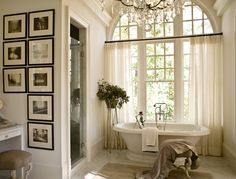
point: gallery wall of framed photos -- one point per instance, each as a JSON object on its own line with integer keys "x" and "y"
{"x": 28, "y": 63}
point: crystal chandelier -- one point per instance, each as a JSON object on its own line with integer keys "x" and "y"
{"x": 145, "y": 12}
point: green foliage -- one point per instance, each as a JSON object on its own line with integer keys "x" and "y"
{"x": 110, "y": 93}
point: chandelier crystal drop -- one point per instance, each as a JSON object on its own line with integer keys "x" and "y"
{"x": 146, "y": 12}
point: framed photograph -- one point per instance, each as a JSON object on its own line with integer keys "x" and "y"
{"x": 40, "y": 79}
{"x": 40, "y": 107}
{"x": 40, "y": 135}
{"x": 41, "y": 51}
{"x": 14, "y": 26}
{"x": 41, "y": 23}
{"x": 14, "y": 53}
{"x": 14, "y": 80}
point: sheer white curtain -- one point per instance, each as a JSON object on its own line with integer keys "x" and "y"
{"x": 206, "y": 87}
{"x": 117, "y": 72}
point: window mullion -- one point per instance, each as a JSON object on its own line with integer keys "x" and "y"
{"x": 142, "y": 73}
{"x": 178, "y": 69}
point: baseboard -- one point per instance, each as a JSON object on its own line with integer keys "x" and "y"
{"x": 45, "y": 171}
{"x": 97, "y": 148}
{"x": 230, "y": 155}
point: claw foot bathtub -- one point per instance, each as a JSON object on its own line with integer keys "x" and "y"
{"x": 132, "y": 135}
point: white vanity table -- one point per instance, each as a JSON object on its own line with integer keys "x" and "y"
{"x": 11, "y": 137}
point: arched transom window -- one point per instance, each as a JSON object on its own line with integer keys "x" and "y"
{"x": 160, "y": 69}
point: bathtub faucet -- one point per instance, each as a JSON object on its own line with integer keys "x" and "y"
{"x": 160, "y": 113}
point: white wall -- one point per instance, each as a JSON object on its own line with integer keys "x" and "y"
{"x": 54, "y": 164}
{"x": 229, "y": 31}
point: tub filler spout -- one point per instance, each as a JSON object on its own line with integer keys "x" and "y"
{"x": 160, "y": 115}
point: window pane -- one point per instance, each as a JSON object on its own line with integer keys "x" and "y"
{"x": 133, "y": 32}
{"x": 124, "y": 32}
{"x": 124, "y": 20}
{"x": 197, "y": 12}
{"x": 150, "y": 33}
{"x": 160, "y": 92}
{"x": 150, "y": 49}
{"x": 160, "y": 49}
{"x": 198, "y": 28}
{"x": 187, "y": 2}
{"x": 160, "y": 74}
{"x": 169, "y": 48}
{"x": 187, "y": 28}
{"x": 160, "y": 62}
{"x": 150, "y": 62}
{"x": 151, "y": 75}
{"x": 169, "y": 29}
{"x": 159, "y": 30}
{"x": 207, "y": 27}
{"x": 187, "y": 13}
{"x": 170, "y": 74}
{"x": 170, "y": 61}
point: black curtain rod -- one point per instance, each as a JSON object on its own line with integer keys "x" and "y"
{"x": 163, "y": 38}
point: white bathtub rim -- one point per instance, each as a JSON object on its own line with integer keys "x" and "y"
{"x": 199, "y": 131}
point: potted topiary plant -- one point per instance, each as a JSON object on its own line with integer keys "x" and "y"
{"x": 113, "y": 95}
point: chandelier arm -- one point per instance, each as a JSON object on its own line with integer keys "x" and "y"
{"x": 128, "y": 5}
{"x": 156, "y": 6}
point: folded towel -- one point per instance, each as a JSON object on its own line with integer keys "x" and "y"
{"x": 150, "y": 139}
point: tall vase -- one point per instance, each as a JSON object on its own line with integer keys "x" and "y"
{"x": 111, "y": 103}
{"x": 112, "y": 118}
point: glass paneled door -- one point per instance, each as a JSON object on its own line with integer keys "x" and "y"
{"x": 76, "y": 102}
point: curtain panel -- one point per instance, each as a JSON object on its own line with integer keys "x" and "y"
{"x": 206, "y": 90}
{"x": 117, "y": 72}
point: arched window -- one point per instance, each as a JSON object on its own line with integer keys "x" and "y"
{"x": 160, "y": 69}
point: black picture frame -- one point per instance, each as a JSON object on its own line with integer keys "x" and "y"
{"x": 40, "y": 107}
{"x": 41, "y": 23}
{"x": 40, "y": 135}
{"x": 14, "y": 26}
{"x": 14, "y": 53}
{"x": 41, "y": 51}
{"x": 14, "y": 80}
{"x": 41, "y": 79}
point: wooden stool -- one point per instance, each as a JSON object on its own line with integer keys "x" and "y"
{"x": 16, "y": 159}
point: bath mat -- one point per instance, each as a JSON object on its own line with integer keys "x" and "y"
{"x": 122, "y": 171}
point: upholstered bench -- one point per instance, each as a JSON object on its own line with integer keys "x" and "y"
{"x": 16, "y": 159}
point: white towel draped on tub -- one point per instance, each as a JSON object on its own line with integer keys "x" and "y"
{"x": 150, "y": 139}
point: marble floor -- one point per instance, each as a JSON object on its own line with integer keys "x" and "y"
{"x": 217, "y": 166}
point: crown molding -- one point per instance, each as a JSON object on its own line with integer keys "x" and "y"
{"x": 95, "y": 6}
{"x": 221, "y": 5}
